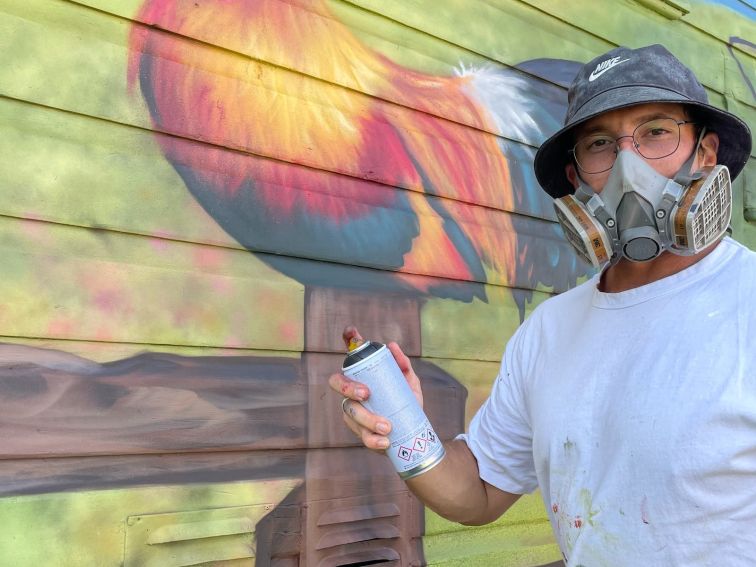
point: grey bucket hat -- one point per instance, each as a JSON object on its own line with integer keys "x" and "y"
{"x": 626, "y": 77}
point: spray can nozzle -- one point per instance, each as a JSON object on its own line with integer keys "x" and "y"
{"x": 354, "y": 344}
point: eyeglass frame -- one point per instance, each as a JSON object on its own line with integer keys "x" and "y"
{"x": 636, "y": 145}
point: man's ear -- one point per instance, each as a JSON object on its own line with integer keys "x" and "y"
{"x": 572, "y": 174}
{"x": 707, "y": 151}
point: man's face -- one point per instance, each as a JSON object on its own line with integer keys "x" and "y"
{"x": 624, "y": 121}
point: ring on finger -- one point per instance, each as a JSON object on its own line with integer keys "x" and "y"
{"x": 343, "y": 404}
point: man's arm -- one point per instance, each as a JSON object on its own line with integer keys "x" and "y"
{"x": 453, "y": 489}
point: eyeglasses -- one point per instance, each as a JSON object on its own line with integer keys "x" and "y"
{"x": 654, "y": 139}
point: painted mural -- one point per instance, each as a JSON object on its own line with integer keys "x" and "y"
{"x": 199, "y": 195}
{"x": 748, "y": 46}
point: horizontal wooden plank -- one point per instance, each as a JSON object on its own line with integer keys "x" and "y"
{"x": 152, "y": 404}
{"x": 120, "y": 288}
{"x": 114, "y": 287}
{"x": 71, "y": 169}
{"x": 103, "y": 352}
{"x": 87, "y": 62}
{"x": 423, "y": 328}
{"x": 163, "y": 403}
{"x": 285, "y": 114}
{"x": 80, "y": 474}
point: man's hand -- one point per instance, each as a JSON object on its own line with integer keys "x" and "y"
{"x": 371, "y": 429}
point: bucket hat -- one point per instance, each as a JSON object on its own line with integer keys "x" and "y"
{"x": 626, "y": 77}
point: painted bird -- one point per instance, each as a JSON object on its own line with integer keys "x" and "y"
{"x": 318, "y": 169}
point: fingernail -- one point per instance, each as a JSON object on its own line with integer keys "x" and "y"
{"x": 383, "y": 443}
{"x": 382, "y": 428}
{"x": 361, "y": 393}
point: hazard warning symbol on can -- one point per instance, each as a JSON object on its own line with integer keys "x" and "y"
{"x": 404, "y": 453}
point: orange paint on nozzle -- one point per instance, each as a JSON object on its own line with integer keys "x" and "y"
{"x": 354, "y": 342}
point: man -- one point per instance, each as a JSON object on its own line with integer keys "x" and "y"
{"x": 630, "y": 400}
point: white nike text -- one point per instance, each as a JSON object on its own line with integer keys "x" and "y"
{"x": 603, "y": 67}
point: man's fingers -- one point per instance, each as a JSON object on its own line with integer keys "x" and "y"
{"x": 375, "y": 442}
{"x": 348, "y": 388}
{"x": 356, "y": 412}
{"x": 350, "y": 332}
{"x": 401, "y": 359}
{"x": 368, "y": 427}
{"x": 369, "y": 439}
{"x": 371, "y": 429}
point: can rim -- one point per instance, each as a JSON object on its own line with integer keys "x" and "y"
{"x": 363, "y": 346}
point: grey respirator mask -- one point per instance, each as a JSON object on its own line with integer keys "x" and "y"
{"x": 640, "y": 213}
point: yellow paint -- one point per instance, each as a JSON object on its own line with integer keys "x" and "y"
{"x": 520, "y": 538}
{"x": 88, "y": 529}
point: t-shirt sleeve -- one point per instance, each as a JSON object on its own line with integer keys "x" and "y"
{"x": 500, "y": 435}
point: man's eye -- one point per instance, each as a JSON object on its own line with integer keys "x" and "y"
{"x": 599, "y": 144}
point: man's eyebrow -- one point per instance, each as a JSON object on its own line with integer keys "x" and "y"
{"x": 640, "y": 120}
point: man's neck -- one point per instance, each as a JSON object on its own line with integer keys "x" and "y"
{"x": 625, "y": 275}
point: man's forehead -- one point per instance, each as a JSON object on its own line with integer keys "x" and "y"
{"x": 631, "y": 115}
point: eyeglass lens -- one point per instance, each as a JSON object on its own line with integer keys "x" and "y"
{"x": 654, "y": 139}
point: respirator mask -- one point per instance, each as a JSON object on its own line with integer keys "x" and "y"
{"x": 640, "y": 213}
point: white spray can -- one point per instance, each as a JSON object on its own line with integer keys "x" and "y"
{"x": 414, "y": 447}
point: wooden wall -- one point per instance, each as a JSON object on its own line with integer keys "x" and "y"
{"x": 197, "y": 195}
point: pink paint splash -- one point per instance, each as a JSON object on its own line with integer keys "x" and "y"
{"x": 159, "y": 244}
{"x": 644, "y": 510}
{"x": 290, "y": 330}
{"x": 208, "y": 258}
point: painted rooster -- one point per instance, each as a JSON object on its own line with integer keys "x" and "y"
{"x": 347, "y": 176}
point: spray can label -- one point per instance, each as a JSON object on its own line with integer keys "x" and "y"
{"x": 414, "y": 446}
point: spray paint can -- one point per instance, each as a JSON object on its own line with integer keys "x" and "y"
{"x": 414, "y": 448}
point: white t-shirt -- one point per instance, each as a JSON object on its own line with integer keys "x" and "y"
{"x": 635, "y": 414}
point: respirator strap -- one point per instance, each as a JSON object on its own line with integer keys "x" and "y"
{"x": 684, "y": 176}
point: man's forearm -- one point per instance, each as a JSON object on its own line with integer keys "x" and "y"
{"x": 453, "y": 489}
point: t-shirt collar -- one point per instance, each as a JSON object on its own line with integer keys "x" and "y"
{"x": 670, "y": 284}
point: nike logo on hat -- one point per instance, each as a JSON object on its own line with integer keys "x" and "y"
{"x": 604, "y": 66}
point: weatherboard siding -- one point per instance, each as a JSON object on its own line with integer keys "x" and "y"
{"x": 196, "y": 197}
